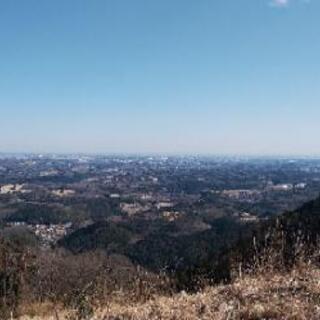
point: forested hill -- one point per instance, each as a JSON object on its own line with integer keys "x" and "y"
{"x": 211, "y": 253}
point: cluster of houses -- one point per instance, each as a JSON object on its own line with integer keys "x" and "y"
{"x": 50, "y": 234}
{"x": 12, "y": 188}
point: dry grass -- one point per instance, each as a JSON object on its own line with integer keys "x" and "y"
{"x": 40, "y": 311}
{"x": 294, "y": 295}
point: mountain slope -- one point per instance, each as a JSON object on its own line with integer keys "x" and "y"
{"x": 273, "y": 269}
{"x": 289, "y": 296}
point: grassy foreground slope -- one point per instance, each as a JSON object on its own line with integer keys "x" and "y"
{"x": 266, "y": 295}
{"x": 269, "y": 296}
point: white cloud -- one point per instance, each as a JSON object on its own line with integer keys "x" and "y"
{"x": 285, "y": 3}
{"x": 279, "y": 3}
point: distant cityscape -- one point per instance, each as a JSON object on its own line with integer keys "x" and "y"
{"x": 55, "y": 195}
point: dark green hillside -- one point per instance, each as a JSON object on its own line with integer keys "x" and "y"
{"x": 162, "y": 249}
{"x": 101, "y": 235}
{"x": 283, "y": 239}
{"x": 211, "y": 254}
{"x": 292, "y": 232}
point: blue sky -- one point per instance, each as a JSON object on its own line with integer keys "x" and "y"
{"x": 177, "y": 76}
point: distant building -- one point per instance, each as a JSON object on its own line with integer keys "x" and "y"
{"x": 63, "y": 192}
{"x": 171, "y": 215}
{"x": 246, "y": 217}
{"x": 282, "y": 187}
{"x": 163, "y": 205}
{"x": 301, "y": 185}
{"x": 242, "y": 195}
{"x": 12, "y": 188}
{"x": 133, "y": 208}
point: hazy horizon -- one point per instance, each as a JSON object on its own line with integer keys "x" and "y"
{"x": 160, "y": 77}
{"x": 164, "y": 154}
